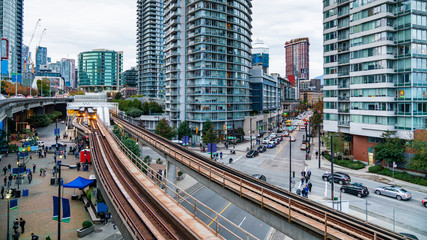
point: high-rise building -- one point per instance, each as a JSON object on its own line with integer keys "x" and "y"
{"x": 129, "y": 78}
{"x": 66, "y": 67}
{"x": 375, "y": 66}
{"x": 41, "y": 58}
{"x": 150, "y": 48}
{"x": 11, "y": 26}
{"x": 100, "y": 70}
{"x": 297, "y": 59}
{"x": 207, "y": 61}
{"x": 260, "y": 55}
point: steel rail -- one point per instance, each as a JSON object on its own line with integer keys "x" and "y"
{"x": 331, "y": 218}
{"x": 119, "y": 168}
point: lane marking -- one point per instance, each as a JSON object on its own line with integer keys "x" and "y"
{"x": 235, "y": 160}
{"x": 242, "y": 221}
{"x": 219, "y": 213}
{"x": 285, "y": 144}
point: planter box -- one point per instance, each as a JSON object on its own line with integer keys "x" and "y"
{"x": 179, "y": 178}
{"x": 81, "y": 232}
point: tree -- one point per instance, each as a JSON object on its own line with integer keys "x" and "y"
{"x": 184, "y": 129}
{"x": 390, "y": 149}
{"x": 145, "y": 108}
{"x": 117, "y": 131}
{"x": 419, "y": 147}
{"x": 315, "y": 121}
{"x": 43, "y": 86}
{"x": 163, "y": 129}
{"x": 206, "y": 127}
{"x": 210, "y": 136}
{"x": 132, "y": 146}
{"x": 338, "y": 142}
{"x": 38, "y": 121}
{"x": 118, "y": 96}
{"x": 134, "y": 112}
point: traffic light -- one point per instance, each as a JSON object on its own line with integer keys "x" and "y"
{"x": 197, "y": 130}
{"x": 259, "y": 128}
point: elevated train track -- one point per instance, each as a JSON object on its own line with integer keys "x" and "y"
{"x": 142, "y": 214}
{"x": 320, "y": 220}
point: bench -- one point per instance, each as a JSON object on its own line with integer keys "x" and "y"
{"x": 92, "y": 214}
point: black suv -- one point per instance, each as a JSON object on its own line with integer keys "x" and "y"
{"x": 262, "y": 148}
{"x": 252, "y": 153}
{"x": 356, "y": 189}
{"x": 341, "y": 178}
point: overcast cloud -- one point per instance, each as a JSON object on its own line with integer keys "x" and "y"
{"x": 74, "y": 26}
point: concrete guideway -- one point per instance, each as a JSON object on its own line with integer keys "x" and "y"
{"x": 249, "y": 198}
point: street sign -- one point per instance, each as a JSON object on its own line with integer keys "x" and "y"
{"x": 57, "y": 132}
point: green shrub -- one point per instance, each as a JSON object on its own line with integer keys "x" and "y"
{"x": 403, "y": 176}
{"x": 345, "y": 162}
{"x": 89, "y": 193}
{"x": 375, "y": 169}
{"x": 87, "y": 224}
{"x": 180, "y": 173}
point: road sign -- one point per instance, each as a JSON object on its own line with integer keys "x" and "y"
{"x": 56, "y": 132}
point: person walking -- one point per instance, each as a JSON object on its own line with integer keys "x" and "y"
{"x": 309, "y": 185}
{"x": 303, "y": 173}
{"x": 34, "y": 237}
{"x": 302, "y": 180}
{"x": 9, "y": 168}
{"x": 30, "y": 178}
{"x": 309, "y": 174}
{"x": 2, "y": 192}
{"x": 303, "y": 192}
{"x": 306, "y": 191}
{"x": 34, "y": 168}
{"x": 4, "y": 171}
{"x": 220, "y": 155}
{"x": 10, "y": 181}
{"x": 15, "y": 226}
{"x": 5, "y": 180}
{"x": 22, "y": 224}
{"x": 307, "y": 179}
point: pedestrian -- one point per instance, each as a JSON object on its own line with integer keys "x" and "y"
{"x": 309, "y": 174}
{"x": 299, "y": 191}
{"x": 303, "y": 192}
{"x": 34, "y": 168}
{"x": 4, "y": 170}
{"x": 22, "y": 224}
{"x": 34, "y": 237}
{"x": 230, "y": 161}
{"x": 7, "y": 152}
{"x": 41, "y": 171}
{"x": 303, "y": 173}
{"x": 10, "y": 181}
{"x": 309, "y": 186}
{"x": 306, "y": 191}
{"x": 2, "y": 192}
{"x": 78, "y": 167}
{"x": 220, "y": 155}
{"x": 9, "y": 167}
{"x": 5, "y": 180}
{"x": 15, "y": 226}
{"x": 302, "y": 180}
{"x": 44, "y": 173}
{"x": 307, "y": 179}
{"x": 30, "y": 178}
{"x": 322, "y": 143}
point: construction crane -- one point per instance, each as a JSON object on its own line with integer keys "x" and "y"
{"x": 37, "y": 48}
{"x": 29, "y": 44}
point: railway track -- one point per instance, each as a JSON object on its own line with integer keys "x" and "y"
{"x": 311, "y": 215}
{"x": 144, "y": 217}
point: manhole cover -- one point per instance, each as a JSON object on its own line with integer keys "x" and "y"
{"x": 98, "y": 230}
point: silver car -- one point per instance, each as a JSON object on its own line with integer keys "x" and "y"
{"x": 394, "y": 192}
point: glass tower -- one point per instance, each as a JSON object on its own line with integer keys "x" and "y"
{"x": 207, "y": 60}
{"x": 375, "y": 66}
{"x": 100, "y": 70}
{"x": 150, "y": 48}
{"x": 11, "y": 25}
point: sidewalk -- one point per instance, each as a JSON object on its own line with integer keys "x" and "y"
{"x": 362, "y": 173}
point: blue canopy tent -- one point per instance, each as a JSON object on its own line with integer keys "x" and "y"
{"x": 79, "y": 183}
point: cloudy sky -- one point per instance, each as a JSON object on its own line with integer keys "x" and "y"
{"x": 73, "y": 26}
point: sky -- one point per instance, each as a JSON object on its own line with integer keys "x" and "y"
{"x": 74, "y": 26}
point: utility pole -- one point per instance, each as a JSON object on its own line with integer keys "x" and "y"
{"x": 59, "y": 201}
{"x": 306, "y": 141}
{"x": 290, "y": 163}
{"x": 211, "y": 141}
{"x": 319, "y": 144}
{"x": 251, "y": 131}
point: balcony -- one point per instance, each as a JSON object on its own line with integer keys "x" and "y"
{"x": 344, "y": 110}
{"x": 344, "y": 98}
{"x": 344, "y": 123}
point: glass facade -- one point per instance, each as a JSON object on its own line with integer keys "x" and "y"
{"x": 41, "y": 57}
{"x": 207, "y": 60}
{"x": 99, "y": 70}
{"x": 11, "y": 26}
{"x": 150, "y": 38}
{"x": 375, "y": 66}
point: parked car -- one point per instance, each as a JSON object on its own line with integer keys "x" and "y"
{"x": 339, "y": 177}
{"x": 266, "y": 140}
{"x": 271, "y": 145}
{"x": 273, "y": 135}
{"x": 260, "y": 177}
{"x": 356, "y": 189}
{"x": 293, "y": 139}
{"x": 285, "y": 134}
{"x": 424, "y": 202}
{"x": 252, "y": 153}
{"x": 60, "y": 145}
{"x": 394, "y": 192}
{"x": 262, "y": 148}
{"x": 303, "y": 147}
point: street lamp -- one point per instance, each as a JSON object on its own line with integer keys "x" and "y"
{"x": 59, "y": 165}
{"x": 8, "y": 196}
{"x": 250, "y": 131}
{"x": 307, "y": 142}
{"x": 332, "y": 168}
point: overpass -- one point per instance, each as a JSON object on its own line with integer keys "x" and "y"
{"x": 11, "y": 106}
{"x": 293, "y": 215}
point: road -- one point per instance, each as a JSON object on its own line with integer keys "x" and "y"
{"x": 274, "y": 164}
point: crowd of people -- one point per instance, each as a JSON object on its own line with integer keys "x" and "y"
{"x": 305, "y": 184}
